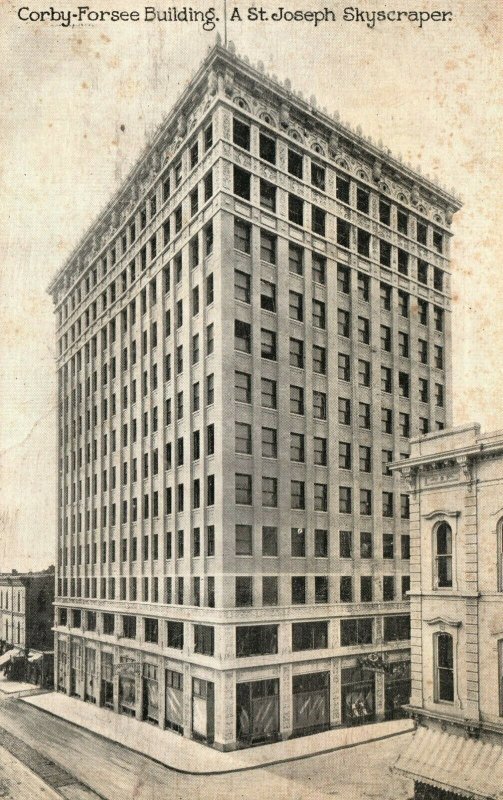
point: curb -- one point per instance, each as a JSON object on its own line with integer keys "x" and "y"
{"x": 210, "y": 773}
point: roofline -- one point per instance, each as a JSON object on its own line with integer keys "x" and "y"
{"x": 228, "y": 56}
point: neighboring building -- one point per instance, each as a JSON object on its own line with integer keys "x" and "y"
{"x": 456, "y": 483}
{"x": 247, "y": 337}
{"x": 26, "y": 622}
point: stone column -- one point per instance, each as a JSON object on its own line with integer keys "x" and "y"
{"x": 335, "y": 693}
{"x": 225, "y": 710}
{"x": 187, "y": 701}
{"x": 285, "y": 701}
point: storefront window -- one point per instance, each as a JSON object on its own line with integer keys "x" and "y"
{"x": 257, "y": 711}
{"x": 358, "y": 696}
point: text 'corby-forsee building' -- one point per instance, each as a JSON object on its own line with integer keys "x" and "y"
{"x": 247, "y": 336}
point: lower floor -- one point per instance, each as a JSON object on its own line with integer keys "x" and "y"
{"x": 231, "y": 708}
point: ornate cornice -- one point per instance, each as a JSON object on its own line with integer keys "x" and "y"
{"x": 444, "y": 622}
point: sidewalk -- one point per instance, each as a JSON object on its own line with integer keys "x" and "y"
{"x": 188, "y": 756}
{"x": 18, "y": 687}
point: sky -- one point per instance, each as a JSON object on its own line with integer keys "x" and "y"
{"x": 77, "y": 106}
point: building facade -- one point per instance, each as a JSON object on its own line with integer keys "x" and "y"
{"x": 456, "y": 596}
{"x": 247, "y": 337}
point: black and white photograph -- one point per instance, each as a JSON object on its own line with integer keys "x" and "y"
{"x": 251, "y": 401}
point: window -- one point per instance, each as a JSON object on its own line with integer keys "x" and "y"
{"x": 438, "y": 318}
{"x": 384, "y": 253}
{"x": 296, "y": 400}
{"x": 269, "y": 443}
{"x": 269, "y": 492}
{"x": 267, "y": 247}
{"x": 364, "y": 415}
{"x": 242, "y": 286}
{"x": 296, "y": 306}
{"x": 422, "y": 307}
{"x": 421, "y": 232}
{"x": 208, "y": 137}
{"x": 443, "y": 556}
{"x": 129, "y": 627}
{"x": 386, "y": 459}
{"x": 297, "y": 447}
{"x": 345, "y": 544}
{"x": 269, "y": 541}
{"x": 404, "y": 425}
{"x": 241, "y": 134}
{"x": 439, "y": 395}
{"x": 346, "y": 589}
{"x": 242, "y": 183}
{"x": 320, "y": 497}
{"x": 343, "y": 322}
{"x": 387, "y": 504}
{"x": 405, "y": 547}
{"x": 294, "y": 163}
{"x": 319, "y": 405}
{"x": 386, "y": 338}
{"x": 321, "y": 543}
{"x": 318, "y": 176}
{"x": 403, "y": 384}
{"x": 397, "y": 628}
{"x": 204, "y": 639}
{"x": 151, "y": 628}
{"x": 175, "y": 634}
{"x": 402, "y": 221}
{"x": 267, "y": 295}
{"x": 242, "y": 336}
{"x": 309, "y": 635}
{"x": 268, "y": 393}
{"x": 267, "y": 148}
{"x": 364, "y": 372}
{"x": 296, "y": 353}
{"x": 319, "y": 268}
{"x": 298, "y": 542}
{"x": 343, "y": 367}
{"x": 365, "y": 458}
{"x": 405, "y": 586}
{"x": 385, "y": 297}
{"x": 422, "y": 271}
{"x": 356, "y": 631}
{"x": 388, "y": 588}
{"x": 344, "y": 410}
{"x": 295, "y": 259}
{"x": 362, "y": 200}
{"x": 267, "y": 195}
{"x": 403, "y": 262}
{"x": 256, "y": 640}
{"x": 298, "y": 590}
{"x": 363, "y": 330}
{"x": 343, "y": 279}
{"x": 319, "y": 360}
{"x": 444, "y": 667}
{"x": 386, "y": 380}
{"x": 384, "y": 212}
{"x": 320, "y": 451}
{"x": 344, "y": 499}
{"x": 242, "y": 236}
{"x": 344, "y": 455}
{"x": 243, "y": 591}
{"x": 363, "y": 284}
{"x": 365, "y": 502}
{"x": 438, "y": 279}
{"x": 318, "y": 220}
{"x": 243, "y": 540}
{"x": 295, "y": 209}
{"x": 423, "y": 390}
{"x": 269, "y": 590}
{"x": 242, "y": 387}
{"x": 439, "y": 356}
{"x": 268, "y": 344}
{"x": 243, "y": 443}
{"x": 342, "y": 189}
{"x": 365, "y": 544}
{"x": 404, "y": 506}
{"x": 403, "y": 303}
{"x": 243, "y": 489}
{"x": 438, "y": 241}
{"x": 297, "y": 493}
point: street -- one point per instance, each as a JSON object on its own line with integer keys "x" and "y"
{"x": 104, "y": 769}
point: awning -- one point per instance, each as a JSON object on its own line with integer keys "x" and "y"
{"x": 468, "y": 767}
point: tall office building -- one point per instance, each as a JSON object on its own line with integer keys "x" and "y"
{"x": 247, "y": 336}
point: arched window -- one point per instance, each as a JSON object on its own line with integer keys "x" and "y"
{"x": 443, "y": 556}
{"x": 444, "y": 666}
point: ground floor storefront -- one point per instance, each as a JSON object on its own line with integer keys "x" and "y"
{"x": 231, "y": 708}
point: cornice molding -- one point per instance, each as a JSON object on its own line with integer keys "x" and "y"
{"x": 444, "y": 621}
